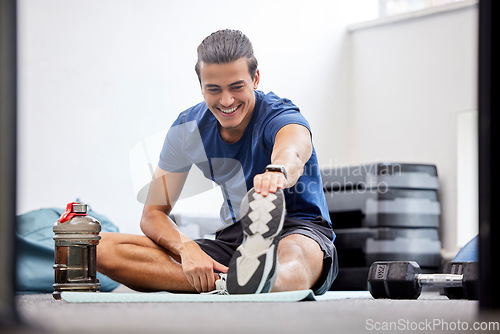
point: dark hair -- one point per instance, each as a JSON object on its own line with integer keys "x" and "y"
{"x": 226, "y": 46}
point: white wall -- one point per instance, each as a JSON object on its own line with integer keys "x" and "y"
{"x": 410, "y": 81}
{"x": 98, "y": 77}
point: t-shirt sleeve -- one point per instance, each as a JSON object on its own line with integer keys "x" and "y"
{"x": 284, "y": 112}
{"x": 182, "y": 148}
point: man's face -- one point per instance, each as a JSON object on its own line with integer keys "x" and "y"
{"x": 228, "y": 92}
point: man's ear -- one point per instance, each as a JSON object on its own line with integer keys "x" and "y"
{"x": 256, "y": 79}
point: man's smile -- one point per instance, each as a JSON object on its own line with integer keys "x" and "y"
{"x": 229, "y": 111}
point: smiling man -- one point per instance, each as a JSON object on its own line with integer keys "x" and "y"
{"x": 258, "y": 148}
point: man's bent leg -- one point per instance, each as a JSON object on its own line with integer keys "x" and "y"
{"x": 139, "y": 263}
{"x": 300, "y": 261}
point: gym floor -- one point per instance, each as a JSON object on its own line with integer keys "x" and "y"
{"x": 431, "y": 313}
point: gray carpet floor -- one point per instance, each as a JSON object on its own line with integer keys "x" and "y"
{"x": 431, "y": 313}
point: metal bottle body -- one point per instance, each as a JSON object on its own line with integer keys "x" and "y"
{"x": 76, "y": 240}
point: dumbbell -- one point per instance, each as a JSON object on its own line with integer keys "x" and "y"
{"x": 404, "y": 280}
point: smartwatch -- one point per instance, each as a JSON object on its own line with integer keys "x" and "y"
{"x": 276, "y": 168}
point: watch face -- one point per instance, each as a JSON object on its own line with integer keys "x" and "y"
{"x": 276, "y": 168}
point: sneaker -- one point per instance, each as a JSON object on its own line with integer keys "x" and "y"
{"x": 253, "y": 267}
{"x": 220, "y": 286}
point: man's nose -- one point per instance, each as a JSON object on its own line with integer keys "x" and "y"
{"x": 226, "y": 99}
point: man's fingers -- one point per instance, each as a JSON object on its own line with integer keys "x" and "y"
{"x": 210, "y": 282}
{"x": 266, "y": 183}
{"x": 196, "y": 282}
{"x": 257, "y": 181}
{"x": 190, "y": 280}
{"x": 269, "y": 182}
{"x": 273, "y": 184}
{"x": 203, "y": 284}
{"x": 220, "y": 267}
{"x": 261, "y": 183}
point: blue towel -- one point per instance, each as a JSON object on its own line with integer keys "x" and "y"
{"x": 469, "y": 253}
{"x": 35, "y": 250}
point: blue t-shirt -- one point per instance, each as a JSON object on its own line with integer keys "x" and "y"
{"x": 194, "y": 139}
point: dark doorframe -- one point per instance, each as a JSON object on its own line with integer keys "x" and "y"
{"x": 489, "y": 223}
{"x": 8, "y": 156}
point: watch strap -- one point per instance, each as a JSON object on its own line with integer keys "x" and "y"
{"x": 276, "y": 168}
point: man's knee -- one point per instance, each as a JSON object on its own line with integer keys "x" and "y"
{"x": 304, "y": 257}
{"x": 302, "y": 248}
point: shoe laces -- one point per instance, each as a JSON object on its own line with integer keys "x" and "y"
{"x": 220, "y": 286}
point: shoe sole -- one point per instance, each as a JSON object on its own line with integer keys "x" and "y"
{"x": 252, "y": 268}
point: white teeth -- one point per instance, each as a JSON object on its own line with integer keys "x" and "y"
{"x": 228, "y": 111}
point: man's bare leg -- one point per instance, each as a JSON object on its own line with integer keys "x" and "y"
{"x": 300, "y": 263}
{"x": 139, "y": 263}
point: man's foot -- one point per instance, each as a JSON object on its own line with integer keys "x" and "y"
{"x": 252, "y": 268}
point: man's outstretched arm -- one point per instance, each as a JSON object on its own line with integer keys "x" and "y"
{"x": 292, "y": 149}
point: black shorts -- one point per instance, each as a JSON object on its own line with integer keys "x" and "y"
{"x": 228, "y": 239}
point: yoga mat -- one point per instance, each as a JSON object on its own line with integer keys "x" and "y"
{"x": 165, "y": 297}
{"x": 336, "y": 295}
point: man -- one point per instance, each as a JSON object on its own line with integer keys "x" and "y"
{"x": 278, "y": 237}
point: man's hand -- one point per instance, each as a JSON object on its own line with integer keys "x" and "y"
{"x": 199, "y": 267}
{"x": 269, "y": 182}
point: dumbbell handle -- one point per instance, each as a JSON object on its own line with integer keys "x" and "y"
{"x": 440, "y": 280}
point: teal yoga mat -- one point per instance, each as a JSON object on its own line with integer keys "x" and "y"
{"x": 165, "y": 297}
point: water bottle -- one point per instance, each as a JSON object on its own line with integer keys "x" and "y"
{"x": 76, "y": 236}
